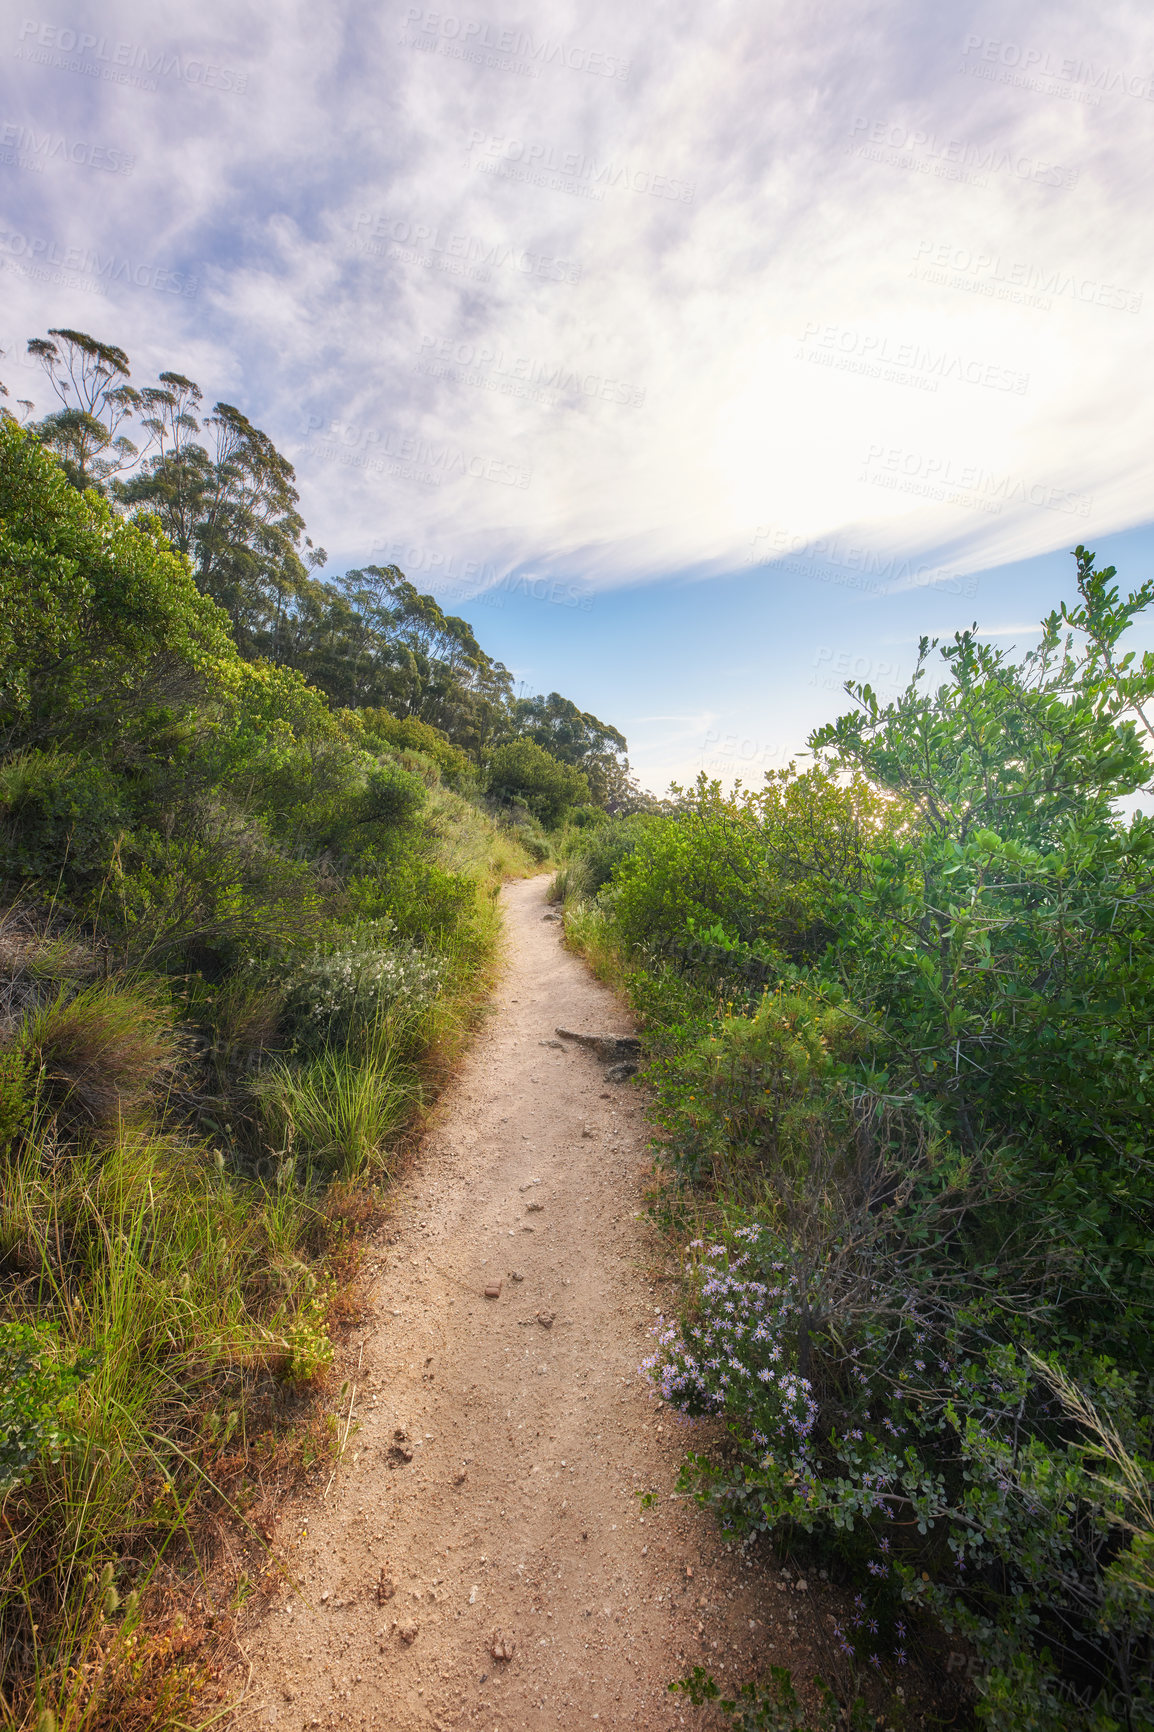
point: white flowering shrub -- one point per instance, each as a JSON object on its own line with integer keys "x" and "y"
{"x": 337, "y": 994}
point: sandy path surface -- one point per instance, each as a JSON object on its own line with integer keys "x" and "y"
{"x": 509, "y": 1500}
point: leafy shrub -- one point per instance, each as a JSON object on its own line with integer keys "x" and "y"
{"x": 925, "y": 1318}
{"x": 99, "y": 619}
{"x": 773, "y": 1706}
{"x": 735, "y": 1350}
{"x": 209, "y": 893}
{"x": 607, "y": 847}
{"x": 36, "y": 1386}
{"x": 411, "y": 734}
{"x": 57, "y": 811}
{"x": 523, "y": 770}
{"x": 392, "y": 796}
{"x": 932, "y": 1463}
{"x": 701, "y": 866}
{"x": 421, "y": 901}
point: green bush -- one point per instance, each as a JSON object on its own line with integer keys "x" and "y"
{"x": 101, "y": 624}
{"x": 424, "y": 903}
{"x": 382, "y": 731}
{"x": 337, "y": 997}
{"x": 603, "y": 852}
{"x": 524, "y": 771}
{"x": 773, "y": 1706}
{"x": 36, "y": 1389}
{"x": 898, "y": 1014}
{"x": 59, "y": 812}
{"x": 585, "y": 817}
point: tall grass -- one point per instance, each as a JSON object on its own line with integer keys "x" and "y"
{"x": 192, "y": 1277}
{"x": 570, "y": 884}
{"x": 145, "y": 1256}
{"x": 589, "y": 933}
{"x": 334, "y": 1116}
{"x": 102, "y": 1053}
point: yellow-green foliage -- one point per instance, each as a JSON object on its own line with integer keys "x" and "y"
{"x": 336, "y": 1113}
{"x": 182, "y": 1291}
{"x": 377, "y": 729}
{"x": 467, "y": 841}
{"x": 766, "y": 1077}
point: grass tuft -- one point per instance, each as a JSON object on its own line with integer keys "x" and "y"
{"x": 100, "y": 1055}
{"x": 334, "y": 1116}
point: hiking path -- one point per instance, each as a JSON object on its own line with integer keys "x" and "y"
{"x": 497, "y": 1488}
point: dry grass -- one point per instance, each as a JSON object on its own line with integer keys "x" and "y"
{"x": 102, "y": 1055}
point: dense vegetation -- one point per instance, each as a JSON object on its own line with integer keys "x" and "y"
{"x": 244, "y": 919}
{"x": 898, "y": 1009}
{"x": 226, "y": 498}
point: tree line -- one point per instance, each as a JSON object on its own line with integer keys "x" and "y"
{"x": 226, "y": 498}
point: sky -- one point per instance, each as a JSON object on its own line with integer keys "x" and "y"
{"x": 702, "y": 357}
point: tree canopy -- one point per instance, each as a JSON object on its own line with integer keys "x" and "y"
{"x": 222, "y": 495}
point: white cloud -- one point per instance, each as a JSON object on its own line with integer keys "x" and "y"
{"x": 844, "y": 279}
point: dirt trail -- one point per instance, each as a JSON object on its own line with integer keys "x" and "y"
{"x": 518, "y": 1511}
